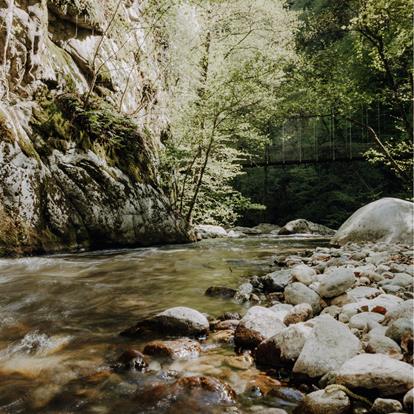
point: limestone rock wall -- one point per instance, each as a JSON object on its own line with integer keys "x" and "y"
{"x": 68, "y": 179}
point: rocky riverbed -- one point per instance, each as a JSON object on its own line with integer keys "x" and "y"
{"x": 332, "y": 326}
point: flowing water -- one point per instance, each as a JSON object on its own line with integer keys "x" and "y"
{"x": 60, "y": 317}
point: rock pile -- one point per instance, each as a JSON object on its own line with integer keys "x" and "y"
{"x": 338, "y": 318}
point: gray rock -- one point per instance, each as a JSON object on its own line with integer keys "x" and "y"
{"x": 377, "y": 372}
{"x": 330, "y": 344}
{"x": 297, "y": 293}
{"x": 398, "y": 328}
{"x": 304, "y": 274}
{"x": 209, "y": 231}
{"x": 388, "y": 302}
{"x": 359, "y": 293}
{"x": 258, "y": 324}
{"x": 304, "y": 226}
{"x": 299, "y": 313}
{"x": 336, "y": 282}
{"x": 388, "y": 220}
{"x": 409, "y": 399}
{"x": 243, "y": 292}
{"x": 380, "y": 344}
{"x": 276, "y": 281}
{"x": 362, "y": 320}
{"x": 402, "y": 310}
{"x": 332, "y": 310}
{"x": 267, "y": 228}
{"x": 174, "y": 321}
{"x": 281, "y": 310}
{"x": 284, "y": 347}
{"x": 326, "y": 402}
{"x": 386, "y": 406}
{"x": 399, "y": 279}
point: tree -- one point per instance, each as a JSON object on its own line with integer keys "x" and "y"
{"x": 356, "y": 55}
{"x": 222, "y": 84}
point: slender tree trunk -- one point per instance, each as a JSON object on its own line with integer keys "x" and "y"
{"x": 382, "y": 147}
{"x": 201, "y": 175}
{"x": 187, "y": 175}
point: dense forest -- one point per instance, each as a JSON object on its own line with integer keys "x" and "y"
{"x": 250, "y": 76}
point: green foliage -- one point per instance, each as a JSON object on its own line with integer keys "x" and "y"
{"x": 326, "y": 194}
{"x": 355, "y": 54}
{"x": 223, "y": 71}
{"x": 98, "y": 128}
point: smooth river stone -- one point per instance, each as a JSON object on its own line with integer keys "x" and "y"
{"x": 330, "y": 344}
{"x": 377, "y": 372}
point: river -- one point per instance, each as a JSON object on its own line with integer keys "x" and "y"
{"x": 60, "y": 318}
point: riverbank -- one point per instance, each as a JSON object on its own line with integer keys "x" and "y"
{"x": 332, "y": 324}
{"x": 250, "y": 352}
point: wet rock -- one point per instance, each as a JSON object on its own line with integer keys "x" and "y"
{"x": 362, "y": 320}
{"x": 288, "y": 394}
{"x": 398, "y": 328}
{"x": 225, "y": 336}
{"x": 336, "y": 282}
{"x": 386, "y": 406}
{"x": 303, "y": 274}
{"x": 182, "y": 348}
{"x": 261, "y": 385}
{"x": 261, "y": 409}
{"x": 188, "y": 394}
{"x": 276, "y": 281}
{"x": 298, "y": 293}
{"x": 257, "y": 325}
{"x": 299, "y": 313}
{"x": 131, "y": 359}
{"x": 208, "y": 231}
{"x": 243, "y": 362}
{"x": 409, "y": 399}
{"x": 326, "y": 402}
{"x": 300, "y": 226}
{"x": 380, "y": 344}
{"x": 174, "y": 321}
{"x": 329, "y": 345}
{"x": 284, "y": 347}
{"x": 387, "y": 219}
{"x": 229, "y": 315}
{"x": 227, "y": 324}
{"x": 378, "y": 372}
{"x": 221, "y": 291}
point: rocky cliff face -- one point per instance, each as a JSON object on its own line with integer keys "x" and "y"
{"x": 78, "y": 165}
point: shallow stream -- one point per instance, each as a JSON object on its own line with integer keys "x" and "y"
{"x": 60, "y": 317}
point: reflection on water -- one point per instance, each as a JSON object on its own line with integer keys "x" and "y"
{"x": 60, "y": 317}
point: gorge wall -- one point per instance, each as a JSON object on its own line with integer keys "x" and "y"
{"x": 79, "y": 169}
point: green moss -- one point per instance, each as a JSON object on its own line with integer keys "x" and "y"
{"x": 5, "y": 133}
{"x": 99, "y": 128}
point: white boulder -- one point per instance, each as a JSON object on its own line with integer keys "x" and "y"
{"x": 387, "y": 220}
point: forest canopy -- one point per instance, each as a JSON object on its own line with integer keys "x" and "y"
{"x": 238, "y": 71}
